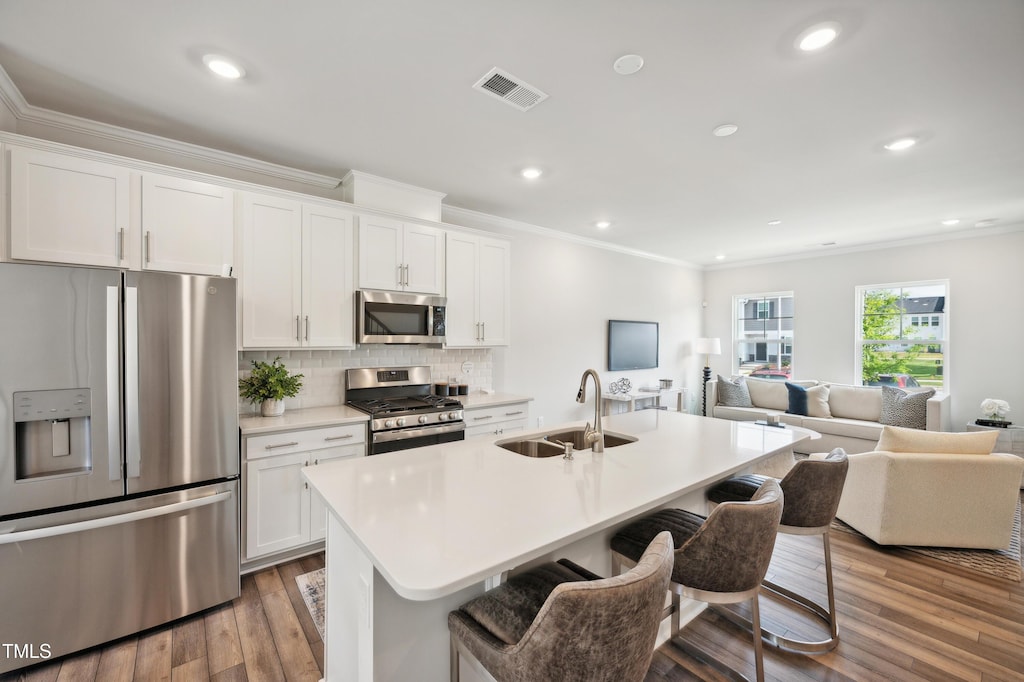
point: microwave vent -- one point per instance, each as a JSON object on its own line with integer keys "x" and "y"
{"x": 509, "y": 89}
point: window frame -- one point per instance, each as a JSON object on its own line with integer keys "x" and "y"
{"x": 762, "y": 312}
{"x": 942, "y": 342}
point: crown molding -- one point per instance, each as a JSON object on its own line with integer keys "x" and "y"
{"x": 23, "y": 111}
{"x": 452, "y": 214}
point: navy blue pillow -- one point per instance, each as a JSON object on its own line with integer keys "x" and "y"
{"x": 797, "y": 399}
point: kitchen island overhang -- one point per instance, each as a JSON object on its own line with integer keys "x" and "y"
{"x": 415, "y": 533}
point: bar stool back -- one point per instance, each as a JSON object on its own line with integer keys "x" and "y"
{"x": 557, "y": 622}
{"x": 721, "y": 559}
{"x": 812, "y": 489}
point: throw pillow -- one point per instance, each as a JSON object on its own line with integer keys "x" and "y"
{"x": 895, "y": 439}
{"x": 733, "y": 393}
{"x": 808, "y": 401}
{"x": 908, "y": 409}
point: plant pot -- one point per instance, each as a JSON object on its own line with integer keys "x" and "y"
{"x": 272, "y": 408}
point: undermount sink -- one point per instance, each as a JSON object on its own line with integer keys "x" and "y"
{"x": 543, "y": 445}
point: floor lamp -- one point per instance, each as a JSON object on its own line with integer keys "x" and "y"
{"x": 707, "y": 348}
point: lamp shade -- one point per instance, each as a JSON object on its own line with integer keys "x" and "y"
{"x": 707, "y": 346}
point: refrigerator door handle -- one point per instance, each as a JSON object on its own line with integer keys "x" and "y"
{"x": 113, "y": 385}
{"x": 105, "y": 521}
{"x": 133, "y": 455}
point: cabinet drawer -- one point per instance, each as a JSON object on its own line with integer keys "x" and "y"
{"x": 305, "y": 440}
{"x": 501, "y": 413}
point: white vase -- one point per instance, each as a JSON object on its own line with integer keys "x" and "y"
{"x": 272, "y": 408}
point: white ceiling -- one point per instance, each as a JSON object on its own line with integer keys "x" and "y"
{"x": 385, "y": 87}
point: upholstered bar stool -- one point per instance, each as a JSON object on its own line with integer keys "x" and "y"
{"x": 721, "y": 559}
{"x": 560, "y": 622}
{"x": 812, "y": 489}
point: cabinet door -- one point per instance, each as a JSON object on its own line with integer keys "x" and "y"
{"x": 493, "y": 292}
{"x": 424, "y": 259}
{"x": 380, "y": 253}
{"x": 276, "y": 504}
{"x": 328, "y": 293}
{"x": 187, "y": 226}
{"x": 463, "y": 326}
{"x": 271, "y": 272}
{"x": 317, "y": 508}
{"x": 68, "y": 210}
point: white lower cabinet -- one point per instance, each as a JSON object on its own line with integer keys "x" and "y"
{"x": 281, "y": 512}
{"x": 501, "y": 420}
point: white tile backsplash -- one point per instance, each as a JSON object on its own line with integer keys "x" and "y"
{"x": 323, "y": 382}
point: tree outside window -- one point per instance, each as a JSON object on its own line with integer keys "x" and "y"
{"x": 903, "y": 334}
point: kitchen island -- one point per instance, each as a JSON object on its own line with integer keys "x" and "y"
{"x": 414, "y": 534}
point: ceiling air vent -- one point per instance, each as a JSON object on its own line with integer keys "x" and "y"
{"x": 509, "y": 89}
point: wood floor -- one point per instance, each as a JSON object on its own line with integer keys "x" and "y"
{"x": 902, "y": 617}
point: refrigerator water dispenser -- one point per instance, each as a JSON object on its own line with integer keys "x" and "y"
{"x": 51, "y": 433}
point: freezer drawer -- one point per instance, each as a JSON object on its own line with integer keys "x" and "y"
{"x": 76, "y": 579}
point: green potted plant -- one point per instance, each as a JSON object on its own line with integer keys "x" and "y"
{"x": 269, "y": 384}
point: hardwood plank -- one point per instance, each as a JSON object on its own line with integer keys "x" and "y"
{"x": 268, "y": 580}
{"x": 188, "y": 641}
{"x": 224, "y": 649}
{"x": 234, "y": 674}
{"x": 190, "y": 671}
{"x": 117, "y": 661}
{"x": 288, "y": 573}
{"x": 153, "y": 656}
{"x": 80, "y": 668}
{"x": 292, "y": 646}
{"x": 41, "y": 672}
{"x": 261, "y": 659}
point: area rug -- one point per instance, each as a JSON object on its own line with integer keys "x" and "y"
{"x": 311, "y": 587}
{"x": 1001, "y": 563}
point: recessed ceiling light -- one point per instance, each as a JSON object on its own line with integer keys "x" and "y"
{"x": 773, "y": 223}
{"x": 223, "y": 67}
{"x": 531, "y": 173}
{"x": 987, "y": 222}
{"x": 628, "y": 64}
{"x": 950, "y": 222}
{"x": 818, "y": 36}
{"x": 603, "y": 224}
{"x": 720, "y": 256}
{"x": 725, "y": 130}
{"x": 901, "y": 144}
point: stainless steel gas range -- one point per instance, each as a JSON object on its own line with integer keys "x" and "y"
{"x": 403, "y": 412}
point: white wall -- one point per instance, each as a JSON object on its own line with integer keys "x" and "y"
{"x": 563, "y": 294}
{"x": 986, "y": 281}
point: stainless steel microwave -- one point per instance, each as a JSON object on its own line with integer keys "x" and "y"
{"x": 397, "y": 317}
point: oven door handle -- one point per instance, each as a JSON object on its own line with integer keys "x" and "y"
{"x": 405, "y": 434}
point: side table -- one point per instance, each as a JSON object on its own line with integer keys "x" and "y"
{"x": 1011, "y": 439}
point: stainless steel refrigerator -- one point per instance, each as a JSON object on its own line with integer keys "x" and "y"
{"x": 118, "y": 454}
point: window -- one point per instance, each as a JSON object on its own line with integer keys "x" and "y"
{"x": 763, "y": 335}
{"x": 903, "y": 332}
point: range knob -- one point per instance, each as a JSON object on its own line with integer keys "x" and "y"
{"x": 423, "y": 419}
{"x": 453, "y": 415}
{"x": 400, "y": 421}
{"x": 442, "y": 416}
{"x": 389, "y": 423}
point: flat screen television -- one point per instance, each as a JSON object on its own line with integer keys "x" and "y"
{"x": 632, "y": 345}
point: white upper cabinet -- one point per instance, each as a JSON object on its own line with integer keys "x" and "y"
{"x": 297, "y": 284}
{"x": 187, "y": 226}
{"x": 66, "y": 209}
{"x": 477, "y": 291}
{"x": 328, "y": 289}
{"x": 398, "y": 256}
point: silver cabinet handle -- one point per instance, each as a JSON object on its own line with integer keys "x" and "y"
{"x": 307, "y": 328}
{"x": 512, "y": 414}
{"x": 483, "y": 331}
{"x": 316, "y": 462}
{"x": 120, "y": 244}
{"x": 401, "y": 274}
{"x": 298, "y": 330}
{"x": 347, "y": 435}
{"x": 477, "y": 331}
{"x": 486, "y": 416}
{"x": 148, "y": 239}
{"x": 282, "y": 445}
{"x": 405, "y": 278}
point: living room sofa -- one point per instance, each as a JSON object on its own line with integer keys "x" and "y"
{"x": 855, "y": 413}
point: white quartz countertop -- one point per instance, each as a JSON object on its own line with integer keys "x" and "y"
{"x": 436, "y": 519}
{"x": 493, "y": 400}
{"x": 309, "y": 418}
